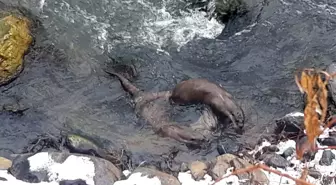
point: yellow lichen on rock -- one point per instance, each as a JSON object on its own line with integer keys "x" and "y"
{"x": 15, "y": 39}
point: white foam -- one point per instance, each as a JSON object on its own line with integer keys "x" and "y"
{"x": 139, "y": 179}
{"x": 282, "y": 146}
{"x": 295, "y": 114}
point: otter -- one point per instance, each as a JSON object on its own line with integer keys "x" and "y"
{"x": 151, "y": 107}
{"x": 203, "y": 91}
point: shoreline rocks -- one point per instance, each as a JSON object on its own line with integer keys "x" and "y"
{"x": 15, "y": 38}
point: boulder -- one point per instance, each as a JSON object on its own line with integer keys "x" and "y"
{"x": 5, "y": 163}
{"x": 15, "y": 38}
{"x": 64, "y": 167}
{"x": 198, "y": 169}
{"x": 221, "y": 164}
{"x": 255, "y": 177}
{"x": 151, "y": 176}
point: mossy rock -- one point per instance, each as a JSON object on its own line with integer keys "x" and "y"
{"x": 15, "y": 39}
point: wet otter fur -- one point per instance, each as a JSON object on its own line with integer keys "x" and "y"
{"x": 203, "y": 91}
{"x": 151, "y": 107}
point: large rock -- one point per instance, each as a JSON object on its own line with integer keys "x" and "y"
{"x": 64, "y": 167}
{"x": 255, "y": 177}
{"x": 5, "y": 163}
{"x": 144, "y": 175}
{"x": 221, "y": 164}
{"x": 15, "y": 40}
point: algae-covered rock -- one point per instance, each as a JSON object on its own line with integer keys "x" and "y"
{"x": 15, "y": 39}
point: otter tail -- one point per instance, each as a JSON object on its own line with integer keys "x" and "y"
{"x": 128, "y": 86}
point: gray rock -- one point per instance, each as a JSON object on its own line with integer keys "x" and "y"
{"x": 165, "y": 179}
{"x": 289, "y": 125}
{"x": 276, "y": 160}
{"x": 255, "y": 177}
{"x": 314, "y": 173}
{"x": 288, "y": 152}
{"x": 327, "y": 158}
{"x": 329, "y": 141}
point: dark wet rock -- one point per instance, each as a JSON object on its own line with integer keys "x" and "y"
{"x": 198, "y": 169}
{"x": 276, "y": 160}
{"x": 73, "y": 182}
{"x": 329, "y": 141}
{"x": 332, "y": 82}
{"x": 255, "y": 177}
{"x": 165, "y": 179}
{"x": 228, "y": 146}
{"x": 24, "y": 168}
{"x": 221, "y": 164}
{"x": 3, "y": 179}
{"x": 224, "y": 9}
{"x": 270, "y": 149}
{"x": 326, "y": 180}
{"x": 288, "y": 152}
{"x": 5, "y": 163}
{"x": 289, "y": 125}
{"x": 314, "y": 173}
{"x": 327, "y": 158}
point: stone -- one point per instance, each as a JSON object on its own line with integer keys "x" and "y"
{"x": 314, "y": 173}
{"x": 198, "y": 169}
{"x": 164, "y": 178}
{"x": 15, "y": 38}
{"x": 5, "y": 163}
{"x": 228, "y": 146}
{"x": 184, "y": 167}
{"x": 327, "y": 158}
{"x": 258, "y": 177}
{"x": 270, "y": 149}
{"x": 223, "y": 9}
{"x": 73, "y": 182}
{"x": 326, "y": 180}
{"x": 290, "y": 125}
{"x": 288, "y": 152}
{"x": 329, "y": 141}
{"x": 221, "y": 164}
{"x": 58, "y": 166}
{"x": 276, "y": 160}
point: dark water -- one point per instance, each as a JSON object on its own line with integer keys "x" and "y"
{"x": 64, "y": 87}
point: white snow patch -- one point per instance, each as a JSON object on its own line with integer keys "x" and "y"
{"x": 74, "y": 167}
{"x": 139, "y": 179}
{"x": 186, "y": 179}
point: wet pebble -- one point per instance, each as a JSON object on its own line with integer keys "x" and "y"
{"x": 329, "y": 141}
{"x": 327, "y": 158}
{"x": 326, "y": 180}
{"x": 314, "y": 173}
{"x": 288, "y": 152}
{"x": 270, "y": 149}
{"x": 228, "y": 146}
{"x": 276, "y": 160}
{"x": 73, "y": 182}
